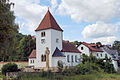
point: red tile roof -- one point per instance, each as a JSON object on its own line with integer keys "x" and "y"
{"x": 48, "y": 22}
{"x": 33, "y": 54}
{"x": 68, "y": 47}
{"x": 91, "y": 46}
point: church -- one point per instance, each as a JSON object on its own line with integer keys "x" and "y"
{"x": 51, "y": 48}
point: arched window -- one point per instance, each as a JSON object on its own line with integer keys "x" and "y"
{"x": 72, "y": 58}
{"x": 97, "y": 54}
{"x": 68, "y": 58}
{"x": 42, "y": 59}
{"x": 76, "y": 58}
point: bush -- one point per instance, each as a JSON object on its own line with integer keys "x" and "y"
{"x": 60, "y": 66}
{"x": 9, "y": 67}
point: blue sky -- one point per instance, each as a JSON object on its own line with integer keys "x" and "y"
{"x": 82, "y": 20}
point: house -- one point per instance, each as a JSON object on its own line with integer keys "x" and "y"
{"x": 50, "y": 46}
{"x": 99, "y": 52}
{"x": 113, "y": 54}
{"x": 88, "y": 49}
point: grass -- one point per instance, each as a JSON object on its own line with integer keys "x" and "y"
{"x": 92, "y": 76}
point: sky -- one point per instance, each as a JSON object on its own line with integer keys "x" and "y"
{"x": 81, "y": 20}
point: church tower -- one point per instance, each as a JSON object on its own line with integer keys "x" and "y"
{"x": 48, "y": 35}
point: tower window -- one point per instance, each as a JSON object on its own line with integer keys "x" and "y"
{"x": 42, "y": 34}
{"x": 81, "y": 48}
{"x": 57, "y": 40}
{"x": 43, "y": 41}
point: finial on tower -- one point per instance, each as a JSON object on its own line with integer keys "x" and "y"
{"x": 48, "y": 7}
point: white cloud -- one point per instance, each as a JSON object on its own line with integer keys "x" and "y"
{"x": 30, "y": 11}
{"x": 101, "y": 31}
{"x": 54, "y": 4}
{"x": 90, "y": 10}
{"x": 105, "y": 40}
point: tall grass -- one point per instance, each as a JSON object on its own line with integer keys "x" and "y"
{"x": 57, "y": 76}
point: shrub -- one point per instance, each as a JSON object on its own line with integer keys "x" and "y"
{"x": 69, "y": 72}
{"x": 9, "y": 67}
{"x": 60, "y": 66}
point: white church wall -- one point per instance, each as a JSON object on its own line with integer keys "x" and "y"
{"x": 56, "y": 59}
{"x": 50, "y": 41}
{"x": 70, "y": 63}
{"x": 32, "y": 61}
{"x": 55, "y": 35}
{"x": 85, "y": 49}
{"x": 41, "y": 47}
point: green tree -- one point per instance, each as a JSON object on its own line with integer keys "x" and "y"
{"x": 8, "y": 30}
{"x": 116, "y": 46}
{"x": 26, "y": 45}
{"x": 75, "y": 43}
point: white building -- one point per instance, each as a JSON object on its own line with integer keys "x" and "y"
{"x": 50, "y": 35}
{"x": 99, "y": 52}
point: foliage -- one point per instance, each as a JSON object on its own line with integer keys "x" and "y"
{"x": 60, "y": 66}
{"x": 75, "y": 43}
{"x": 25, "y": 47}
{"x": 105, "y": 63}
{"x": 8, "y": 30}
{"x": 9, "y": 67}
{"x": 116, "y": 46}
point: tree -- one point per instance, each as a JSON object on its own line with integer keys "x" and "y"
{"x": 99, "y": 44}
{"x": 26, "y": 45}
{"x": 116, "y": 46}
{"x": 8, "y": 29}
{"x": 75, "y": 43}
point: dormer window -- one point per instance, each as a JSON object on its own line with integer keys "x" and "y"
{"x": 42, "y": 34}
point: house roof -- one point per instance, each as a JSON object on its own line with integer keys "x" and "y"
{"x": 109, "y": 51}
{"x": 57, "y": 53}
{"x": 48, "y": 22}
{"x": 91, "y": 46}
{"x": 33, "y": 54}
{"x": 68, "y": 47}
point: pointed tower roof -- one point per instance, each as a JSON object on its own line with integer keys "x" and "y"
{"x": 48, "y": 22}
